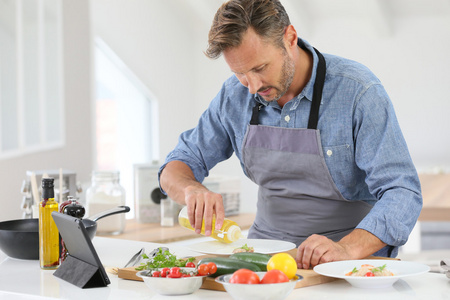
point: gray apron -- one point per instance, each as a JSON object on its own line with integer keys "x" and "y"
{"x": 297, "y": 196}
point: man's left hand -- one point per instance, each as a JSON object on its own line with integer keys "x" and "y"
{"x": 318, "y": 249}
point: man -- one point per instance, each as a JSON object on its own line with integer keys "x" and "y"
{"x": 317, "y": 133}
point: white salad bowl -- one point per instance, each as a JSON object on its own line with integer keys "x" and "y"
{"x": 172, "y": 286}
{"x": 271, "y": 291}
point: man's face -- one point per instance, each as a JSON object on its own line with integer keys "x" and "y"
{"x": 261, "y": 66}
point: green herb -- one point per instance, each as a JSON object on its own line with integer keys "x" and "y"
{"x": 379, "y": 269}
{"x": 246, "y": 248}
{"x": 163, "y": 260}
{"x": 354, "y": 270}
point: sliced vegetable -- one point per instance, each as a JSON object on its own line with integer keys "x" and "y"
{"x": 227, "y": 265}
{"x": 258, "y": 259}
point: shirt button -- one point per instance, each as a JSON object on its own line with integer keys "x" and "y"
{"x": 287, "y": 118}
{"x": 329, "y": 152}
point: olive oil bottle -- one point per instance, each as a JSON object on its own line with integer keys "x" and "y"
{"x": 48, "y": 232}
{"x": 229, "y": 233}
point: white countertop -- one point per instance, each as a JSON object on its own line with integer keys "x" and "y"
{"x": 23, "y": 279}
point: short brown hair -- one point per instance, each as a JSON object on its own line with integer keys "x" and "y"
{"x": 267, "y": 17}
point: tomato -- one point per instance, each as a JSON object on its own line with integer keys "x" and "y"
{"x": 212, "y": 267}
{"x": 283, "y": 262}
{"x": 203, "y": 270}
{"x": 244, "y": 276}
{"x": 274, "y": 276}
{"x": 156, "y": 274}
{"x": 164, "y": 272}
{"x": 369, "y": 274}
{"x": 190, "y": 265}
{"x": 175, "y": 272}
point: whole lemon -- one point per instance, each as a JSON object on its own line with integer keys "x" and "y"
{"x": 283, "y": 262}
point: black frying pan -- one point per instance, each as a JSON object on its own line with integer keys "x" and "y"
{"x": 20, "y": 238}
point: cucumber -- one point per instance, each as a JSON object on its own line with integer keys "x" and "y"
{"x": 258, "y": 259}
{"x": 227, "y": 265}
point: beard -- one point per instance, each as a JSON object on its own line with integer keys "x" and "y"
{"x": 286, "y": 78}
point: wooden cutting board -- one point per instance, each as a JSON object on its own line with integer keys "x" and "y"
{"x": 309, "y": 276}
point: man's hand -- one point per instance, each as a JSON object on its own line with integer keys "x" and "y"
{"x": 178, "y": 181}
{"x": 201, "y": 205}
{"x": 318, "y": 249}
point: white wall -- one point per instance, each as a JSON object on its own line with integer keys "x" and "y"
{"x": 76, "y": 155}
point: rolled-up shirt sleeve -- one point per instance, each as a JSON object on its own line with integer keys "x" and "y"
{"x": 381, "y": 151}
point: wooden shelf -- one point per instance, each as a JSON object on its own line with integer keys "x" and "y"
{"x": 436, "y": 197}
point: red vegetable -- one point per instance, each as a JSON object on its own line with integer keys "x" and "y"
{"x": 175, "y": 272}
{"x": 203, "y": 270}
{"x": 156, "y": 274}
{"x": 212, "y": 268}
{"x": 164, "y": 272}
{"x": 274, "y": 276}
{"x": 244, "y": 276}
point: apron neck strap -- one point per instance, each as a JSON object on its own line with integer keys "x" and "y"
{"x": 317, "y": 93}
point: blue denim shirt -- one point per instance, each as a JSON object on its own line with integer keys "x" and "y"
{"x": 363, "y": 145}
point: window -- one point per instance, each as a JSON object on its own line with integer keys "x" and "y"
{"x": 31, "y": 95}
{"x": 126, "y": 118}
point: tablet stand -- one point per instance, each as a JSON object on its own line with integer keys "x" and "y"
{"x": 79, "y": 273}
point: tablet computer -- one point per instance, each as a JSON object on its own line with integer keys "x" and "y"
{"x": 82, "y": 265}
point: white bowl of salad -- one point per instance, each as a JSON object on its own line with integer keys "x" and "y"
{"x": 371, "y": 273}
{"x": 166, "y": 274}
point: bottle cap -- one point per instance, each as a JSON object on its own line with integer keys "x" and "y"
{"x": 234, "y": 233}
{"x": 47, "y": 188}
{"x": 48, "y": 182}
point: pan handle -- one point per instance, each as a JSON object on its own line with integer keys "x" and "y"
{"x": 109, "y": 212}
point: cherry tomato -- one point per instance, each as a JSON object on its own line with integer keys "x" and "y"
{"x": 274, "y": 276}
{"x": 164, "y": 272}
{"x": 175, "y": 272}
{"x": 212, "y": 267}
{"x": 244, "y": 276}
{"x": 203, "y": 270}
{"x": 156, "y": 274}
{"x": 190, "y": 265}
{"x": 369, "y": 274}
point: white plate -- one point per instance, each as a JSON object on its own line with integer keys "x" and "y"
{"x": 259, "y": 245}
{"x": 401, "y": 269}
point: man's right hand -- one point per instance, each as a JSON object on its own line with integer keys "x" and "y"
{"x": 178, "y": 181}
{"x": 201, "y": 205}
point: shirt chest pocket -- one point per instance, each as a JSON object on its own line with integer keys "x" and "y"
{"x": 341, "y": 163}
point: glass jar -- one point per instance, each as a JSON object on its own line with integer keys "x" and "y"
{"x": 105, "y": 193}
